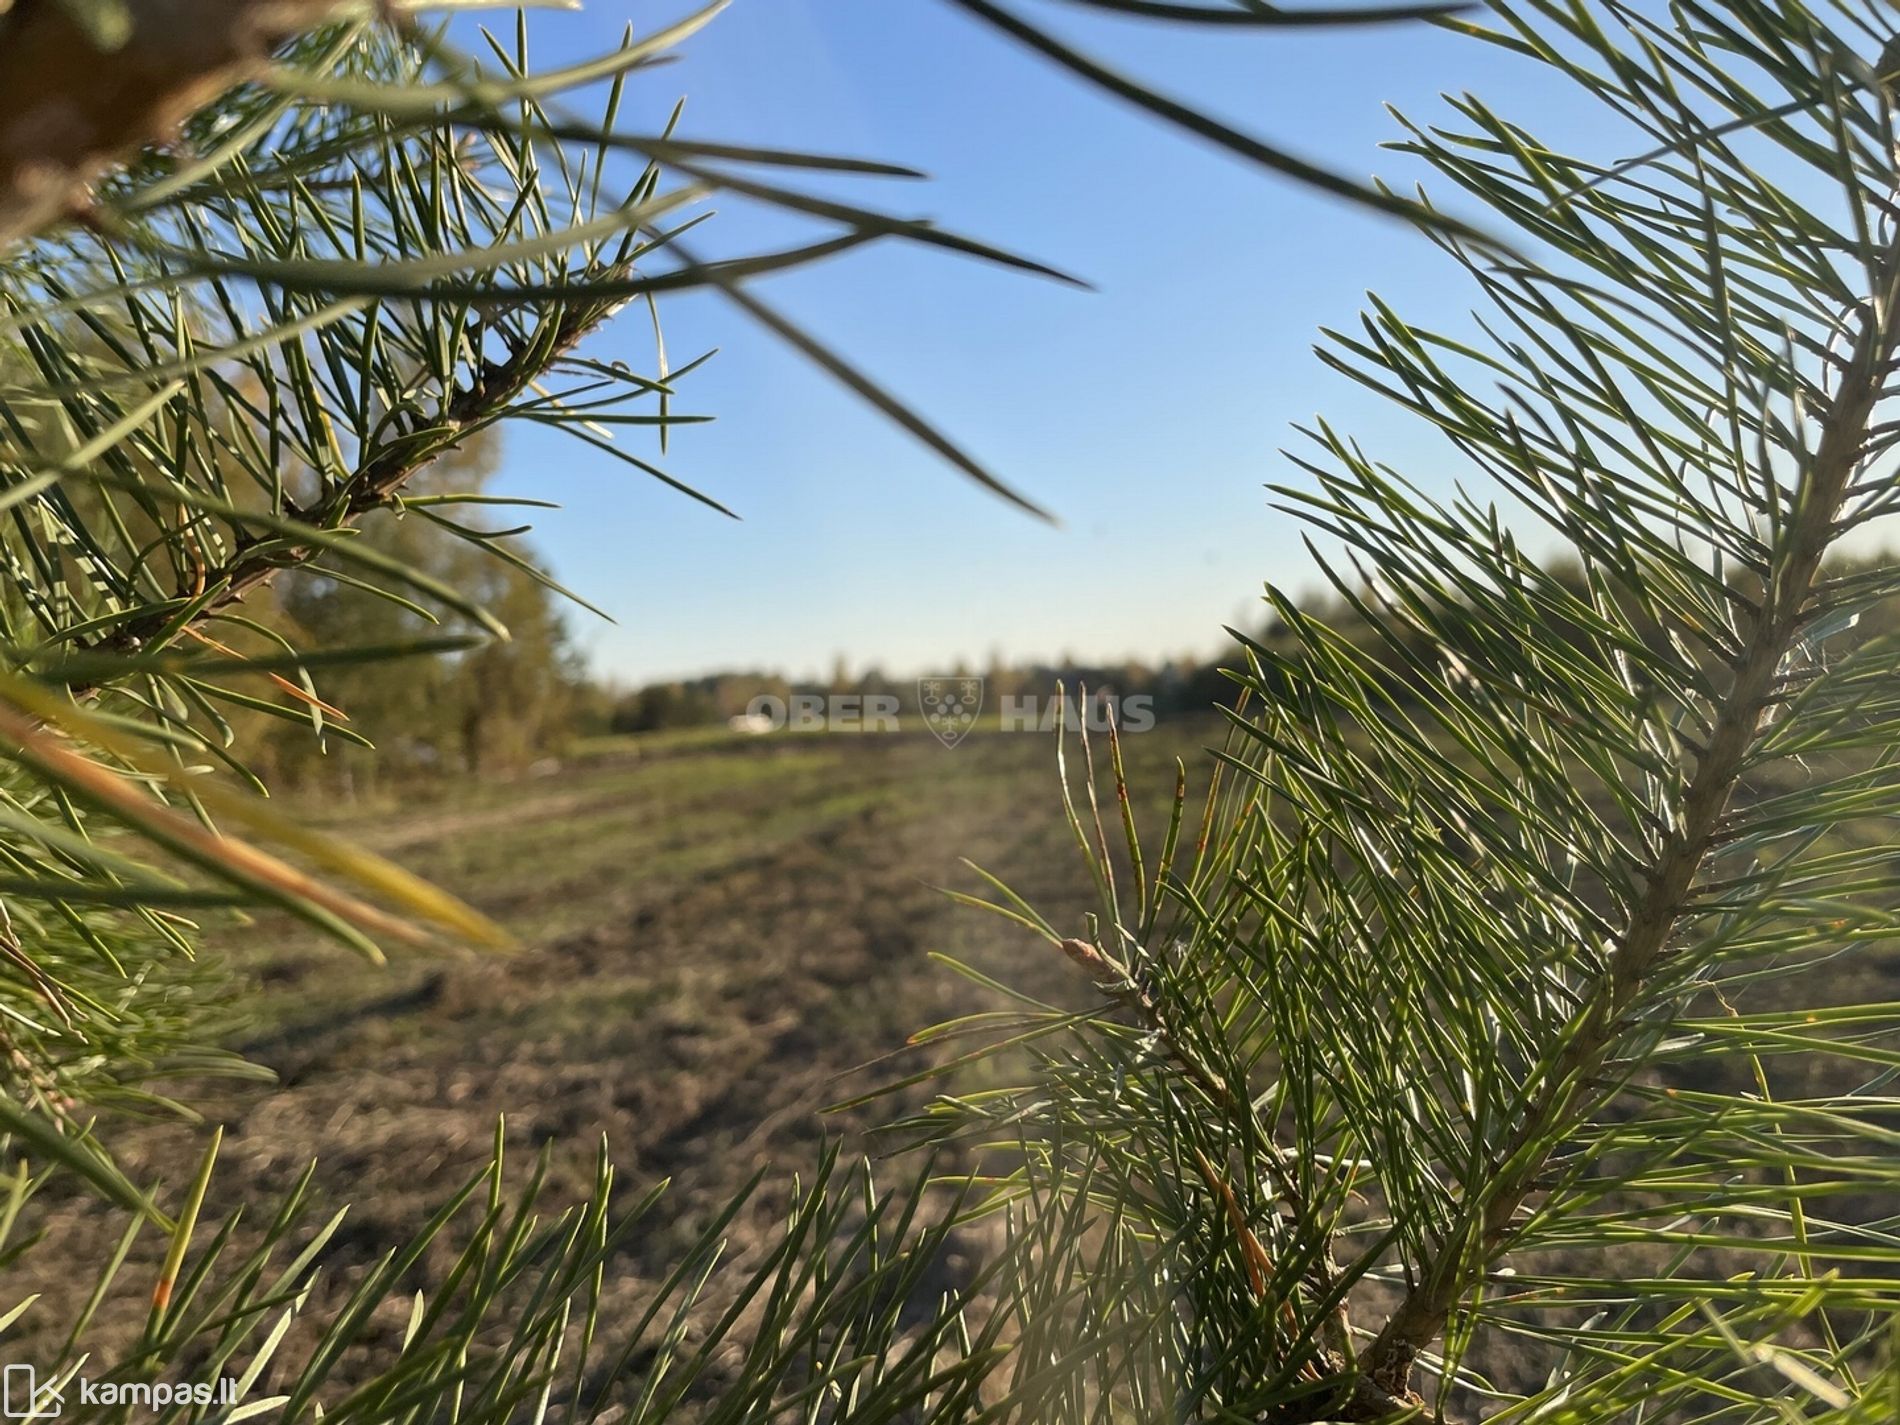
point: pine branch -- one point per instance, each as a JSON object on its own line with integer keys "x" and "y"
{"x": 1512, "y": 823}
{"x": 1115, "y": 980}
{"x": 1672, "y": 884}
{"x": 375, "y": 485}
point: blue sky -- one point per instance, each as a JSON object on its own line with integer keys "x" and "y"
{"x": 1148, "y": 414}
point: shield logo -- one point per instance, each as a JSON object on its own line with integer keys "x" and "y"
{"x": 950, "y": 705}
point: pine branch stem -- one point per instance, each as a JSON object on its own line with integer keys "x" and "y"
{"x": 371, "y": 486}
{"x": 1113, "y": 978}
{"x": 1572, "y": 1083}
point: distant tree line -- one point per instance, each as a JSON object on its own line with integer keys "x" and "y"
{"x": 491, "y": 709}
{"x": 501, "y": 708}
{"x": 1177, "y": 687}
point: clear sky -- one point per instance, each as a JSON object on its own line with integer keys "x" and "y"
{"x": 1148, "y": 414}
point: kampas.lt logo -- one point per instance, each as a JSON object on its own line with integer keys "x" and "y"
{"x": 950, "y": 706}
{"x": 22, "y": 1397}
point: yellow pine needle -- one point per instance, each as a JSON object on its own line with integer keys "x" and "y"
{"x": 1259, "y": 1264}
{"x": 302, "y": 695}
{"x": 368, "y": 871}
{"x": 181, "y": 1234}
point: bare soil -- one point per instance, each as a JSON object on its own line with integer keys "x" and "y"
{"x": 715, "y": 937}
